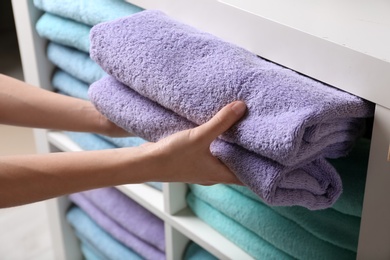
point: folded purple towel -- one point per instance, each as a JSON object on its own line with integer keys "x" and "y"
{"x": 125, "y": 220}
{"x": 314, "y": 185}
{"x": 291, "y": 118}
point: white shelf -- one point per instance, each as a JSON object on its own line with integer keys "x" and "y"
{"x": 360, "y": 25}
{"x": 342, "y": 43}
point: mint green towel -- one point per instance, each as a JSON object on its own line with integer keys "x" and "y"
{"x": 282, "y": 233}
{"x": 98, "y": 238}
{"x": 238, "y": 234}
{"x": 195, "y": 252}
{"x": 87, "y": 11}
{"x": 64, "y": 31}
{"x": 74, "y": 62}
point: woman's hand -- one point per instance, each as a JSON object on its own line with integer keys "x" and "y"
{"x": 186, "y": 157}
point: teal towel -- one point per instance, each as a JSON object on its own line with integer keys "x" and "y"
{"x": 279, "y": 231}
{"x": 97, "y": 237}
{"x": 353, "y": 173}
{"x": 89, "y": 141}
{"x": 64, "y": 31}
{"x": 76, "y": 63}
{"x": 65, "y": 83}
{"x": 195, "y": 252}
{"x": 156, "y": 185}
{"x": 336, "y": 228}
{"x": 87, "y": 11}
{"x": 253, "y": 244}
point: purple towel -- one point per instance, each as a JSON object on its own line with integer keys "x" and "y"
{"x": 291, "y": 118}
{"x": 125, "y": 220}
{"x": 315, "y": 185}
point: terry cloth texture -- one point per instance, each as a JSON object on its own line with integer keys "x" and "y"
{"x": 86, "y": 11}
{"x": 291, "y": 118}
{"x": 195, "y": 252}
{"x": 64, "y": 31}
{"x": 68, "y": 85}
{"x": 296, "y": 237}
{"x": 238, "y": 234}
{"x": 125, "y": 220}
{"x": 88, "y": 231}
{"x": 314, "y": 185}
{"x": 76, "y": 63}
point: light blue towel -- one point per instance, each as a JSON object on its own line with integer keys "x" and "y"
{"x": 64, "y": 31}
{"x": 86, "y": 11}
{"x": 69, "y": 85}
{"x": 108, "y": 246}
{"x": 241, "y": 236}
{"x": 195, "y": 252}
{"x": 89, "y": 253}
{"x": 76, "y": 63}
{"x": 285, "y": 234}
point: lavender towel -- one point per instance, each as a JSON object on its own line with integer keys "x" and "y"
{"x": 126, "y": 224}
{"x": 291, "y": 118}
{"x": 314, "y": 185}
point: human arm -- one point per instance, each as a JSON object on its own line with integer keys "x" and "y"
{"x": 24, "y": 105}
{"x": 181, "y": 157}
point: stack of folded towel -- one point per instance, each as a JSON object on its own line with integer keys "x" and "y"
{"x": 288, "y": 232}
{"x": 66, "y": 24}
{"x": 166, "y": 76}
{"x": 131, "y": 227}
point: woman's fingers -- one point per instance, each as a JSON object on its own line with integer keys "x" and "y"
{"x": 222, "y": 121}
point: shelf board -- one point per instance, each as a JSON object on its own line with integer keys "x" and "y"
{"x": 63, "y": 142}
{"x": 198, "y": 231}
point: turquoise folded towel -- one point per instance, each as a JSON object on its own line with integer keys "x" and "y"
{"x": 86, "y": 11}
{"x": 64, "y": 31}
{"x": 282, "y": 233}
{"x": 251, "y": 243}
{"x": 65, "y": 83}
{"x": 76, "y": 63}
{"x": 97, "y": 237}
{"x": 336, "y": 228}
{"x": 353, "y": 173}
{"x": 195, "y": 252}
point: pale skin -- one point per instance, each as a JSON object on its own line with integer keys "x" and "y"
{"x": 30, "y": 178}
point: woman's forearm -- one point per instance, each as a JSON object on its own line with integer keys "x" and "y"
{"x": 31, "y": 178}
{"x": 25, "y": 105}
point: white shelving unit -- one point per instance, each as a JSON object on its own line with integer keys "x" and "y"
{"x": 343, "y": 43}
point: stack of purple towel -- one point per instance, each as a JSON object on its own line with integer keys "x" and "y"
{"x": 125, "y": 220}
{"x": 166, "y": 76}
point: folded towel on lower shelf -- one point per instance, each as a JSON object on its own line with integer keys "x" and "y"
{"x": 242, "y": 228}
{"x": 64, "y": 31}
{"x": 295, "y": 231}
{"x": 98, "y": 238}
{"x": 136, "y": 236}
{"x": 90, "y": 253}
{"x": 291, "y": 118}
{"x": 238, "y": 234}
{"x": 88, "y": 12}
{"x": 195, "y": 252}
{"x": 76, "y": 63}
{"x": 314, "y": 185}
